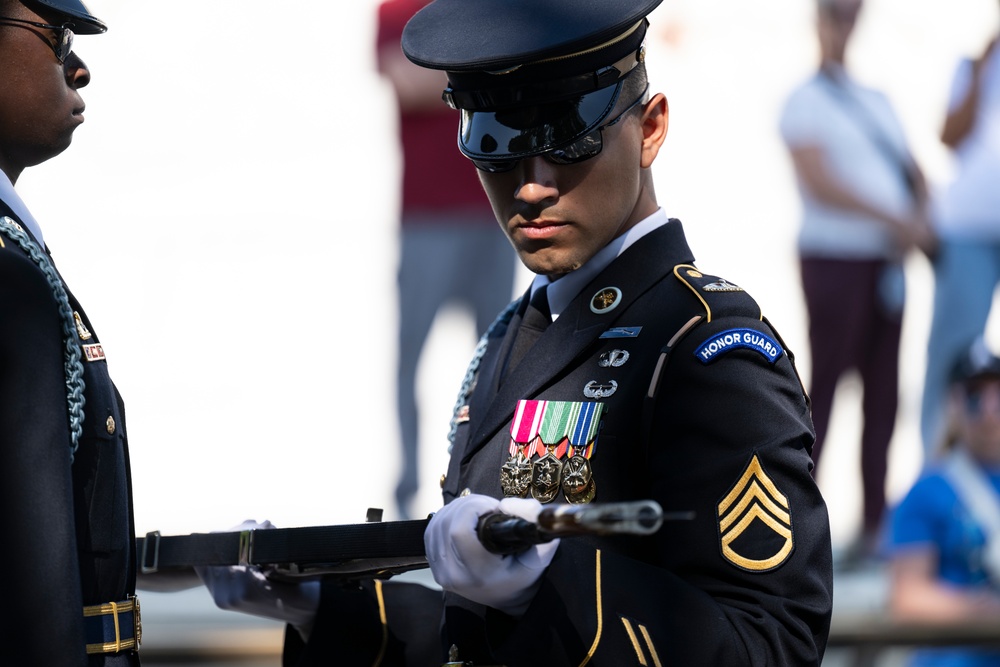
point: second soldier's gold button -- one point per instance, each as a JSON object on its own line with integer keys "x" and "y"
{"x": 111, "y": 425}
{"x": 443, "y": 479}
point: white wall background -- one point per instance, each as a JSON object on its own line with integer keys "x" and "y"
{"x": 227, "y": 216}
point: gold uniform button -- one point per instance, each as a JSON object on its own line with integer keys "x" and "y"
{"x": 443, "y": 479}
{"x": 111, "y": 425}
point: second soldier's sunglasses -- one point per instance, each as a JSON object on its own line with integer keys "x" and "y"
{"x": 584, "y": 148}
{"x": 63, "y": 44}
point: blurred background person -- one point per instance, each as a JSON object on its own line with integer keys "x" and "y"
{"x": 943, "y": 539}
{"x": 863, "y": 208}
{"x": 450, "y": 250}
{"x": 967, "y": 218}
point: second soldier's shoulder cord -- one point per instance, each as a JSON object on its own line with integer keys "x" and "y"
{"x": 72, "y": 363}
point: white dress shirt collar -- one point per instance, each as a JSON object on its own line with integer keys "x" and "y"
{"x": 10, "y": 197}
{"x": 565, "y": 289}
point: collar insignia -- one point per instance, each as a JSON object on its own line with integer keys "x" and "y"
{"x": 606, "y": 300}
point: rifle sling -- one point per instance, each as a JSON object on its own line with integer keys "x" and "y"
{"x": 311, "y": 545}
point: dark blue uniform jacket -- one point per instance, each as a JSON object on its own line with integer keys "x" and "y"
{"x": 707, "y": 415}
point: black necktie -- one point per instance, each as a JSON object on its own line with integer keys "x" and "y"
{"x": 536, "y": 319}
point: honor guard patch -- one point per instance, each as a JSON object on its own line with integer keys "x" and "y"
{"x": 755, "y": 522}
{"x": 735, "y": 339}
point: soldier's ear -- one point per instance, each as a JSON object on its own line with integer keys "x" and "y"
{"x": 655, "y": 120}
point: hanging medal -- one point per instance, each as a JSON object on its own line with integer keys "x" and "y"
{"x": 546, "y": 472}
{"x": 578, "y": 483}
{"x": 515, "y": 473}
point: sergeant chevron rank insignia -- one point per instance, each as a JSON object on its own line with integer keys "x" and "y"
{"x": 755, "y": 524}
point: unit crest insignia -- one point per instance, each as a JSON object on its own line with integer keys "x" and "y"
{"x": 81, "y": 328}
{"x": 722, "y": 285}
{"x": 755, "y": 524}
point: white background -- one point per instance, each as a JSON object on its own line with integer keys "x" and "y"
{"x": 227, "y": 216}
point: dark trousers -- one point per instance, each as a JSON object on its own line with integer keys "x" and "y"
{"x": 852, "y": 327}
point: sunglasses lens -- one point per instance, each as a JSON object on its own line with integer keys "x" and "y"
{"x": 65, "y": 46}
{"x": 494, "y": 166}
{"x": 578, "y": 151}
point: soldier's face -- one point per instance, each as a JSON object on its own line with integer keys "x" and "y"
{"x": 39, "y": 106}
{"x": 982, "y": 421}
{"x": 558, "y": 216}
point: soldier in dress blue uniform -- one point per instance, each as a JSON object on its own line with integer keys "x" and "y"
{"x": 65, "y": 492}
{"x": 624, "y": 373}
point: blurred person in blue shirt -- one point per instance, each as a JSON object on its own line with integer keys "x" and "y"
{"x": 943, "y": 540}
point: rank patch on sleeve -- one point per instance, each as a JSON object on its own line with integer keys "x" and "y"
{"x": 755, "y": 523}
{"x": 735, "y": 339}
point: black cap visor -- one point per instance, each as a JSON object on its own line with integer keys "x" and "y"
{"x": 522, "y": 132}
{"x": 75, "y": 13}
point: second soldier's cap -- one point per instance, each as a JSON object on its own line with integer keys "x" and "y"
{"x": 976, "y": 363}
{"x": 75, "y": 12}
{"x": 529, "y": 76}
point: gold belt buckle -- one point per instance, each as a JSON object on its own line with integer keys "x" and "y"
{"x": 115, "y": 609}
{"x": 136, "y": 621}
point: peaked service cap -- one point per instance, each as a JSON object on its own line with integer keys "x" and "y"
{"x": 84, "y": 23}
{"x": 529, "y": 76}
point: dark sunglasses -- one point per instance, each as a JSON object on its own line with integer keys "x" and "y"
{"x": 64, "y": 36}
{"x": 584, "y": 148}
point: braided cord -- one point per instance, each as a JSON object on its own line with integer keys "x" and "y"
{"x": 72, "y": 365}
{"x": 470, "y": 372}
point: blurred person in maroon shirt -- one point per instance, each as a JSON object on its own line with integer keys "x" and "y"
{"x": 450, "y": 251}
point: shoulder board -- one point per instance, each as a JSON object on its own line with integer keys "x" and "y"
{"x": 718, "y": 296}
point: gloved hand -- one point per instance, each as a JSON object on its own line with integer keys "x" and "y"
{"x": 246, "y": 589}
{"x": 461, "y": 564}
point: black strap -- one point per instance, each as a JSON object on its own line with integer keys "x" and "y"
{"x": 900, "y": 159}
{"x": 357, "y": 547}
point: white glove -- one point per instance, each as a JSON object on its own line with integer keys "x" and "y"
{"x": 246, "y": 589}
{"x": 461, "y": 564}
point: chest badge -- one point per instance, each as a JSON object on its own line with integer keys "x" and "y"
{"x": 755, "y": 522}
{"x": 622, "y": 332}
{"x": 595, "y": 389}
{"x": 613, "y": 359}
{"x": 606, "y": 300}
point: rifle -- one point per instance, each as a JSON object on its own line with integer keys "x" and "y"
{"x": 377, "y": 549}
